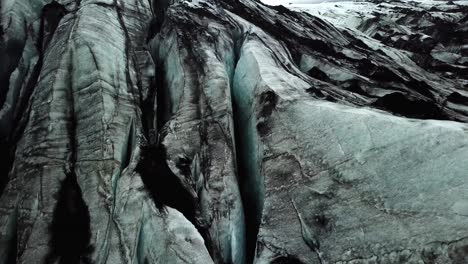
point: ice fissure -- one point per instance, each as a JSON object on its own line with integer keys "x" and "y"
{"x": 70, "y": 226}
{"x": 174, "y": 131}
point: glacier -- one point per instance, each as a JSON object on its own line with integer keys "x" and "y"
{"x": 233, "y": 131}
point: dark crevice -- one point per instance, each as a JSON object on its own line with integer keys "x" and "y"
{"x": 163, "y": 98}
{"x": 420, "y": 87}
{"x": 70, "y": 228}
{"x": 407, "y": 106}
{"x": 51, "y": 14}
{"x": 12, "y": 252}
{"x": 127, "y": 155}
{"x": 10, "y": 55}
{"x": 154, "y": 26}
{"x": 316, "y": 73}
{"x": 7, "y": 157}
{"x": 160, "y": 7}
{"x": 457, "y": 98}
{"x": 163, "y": 186}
